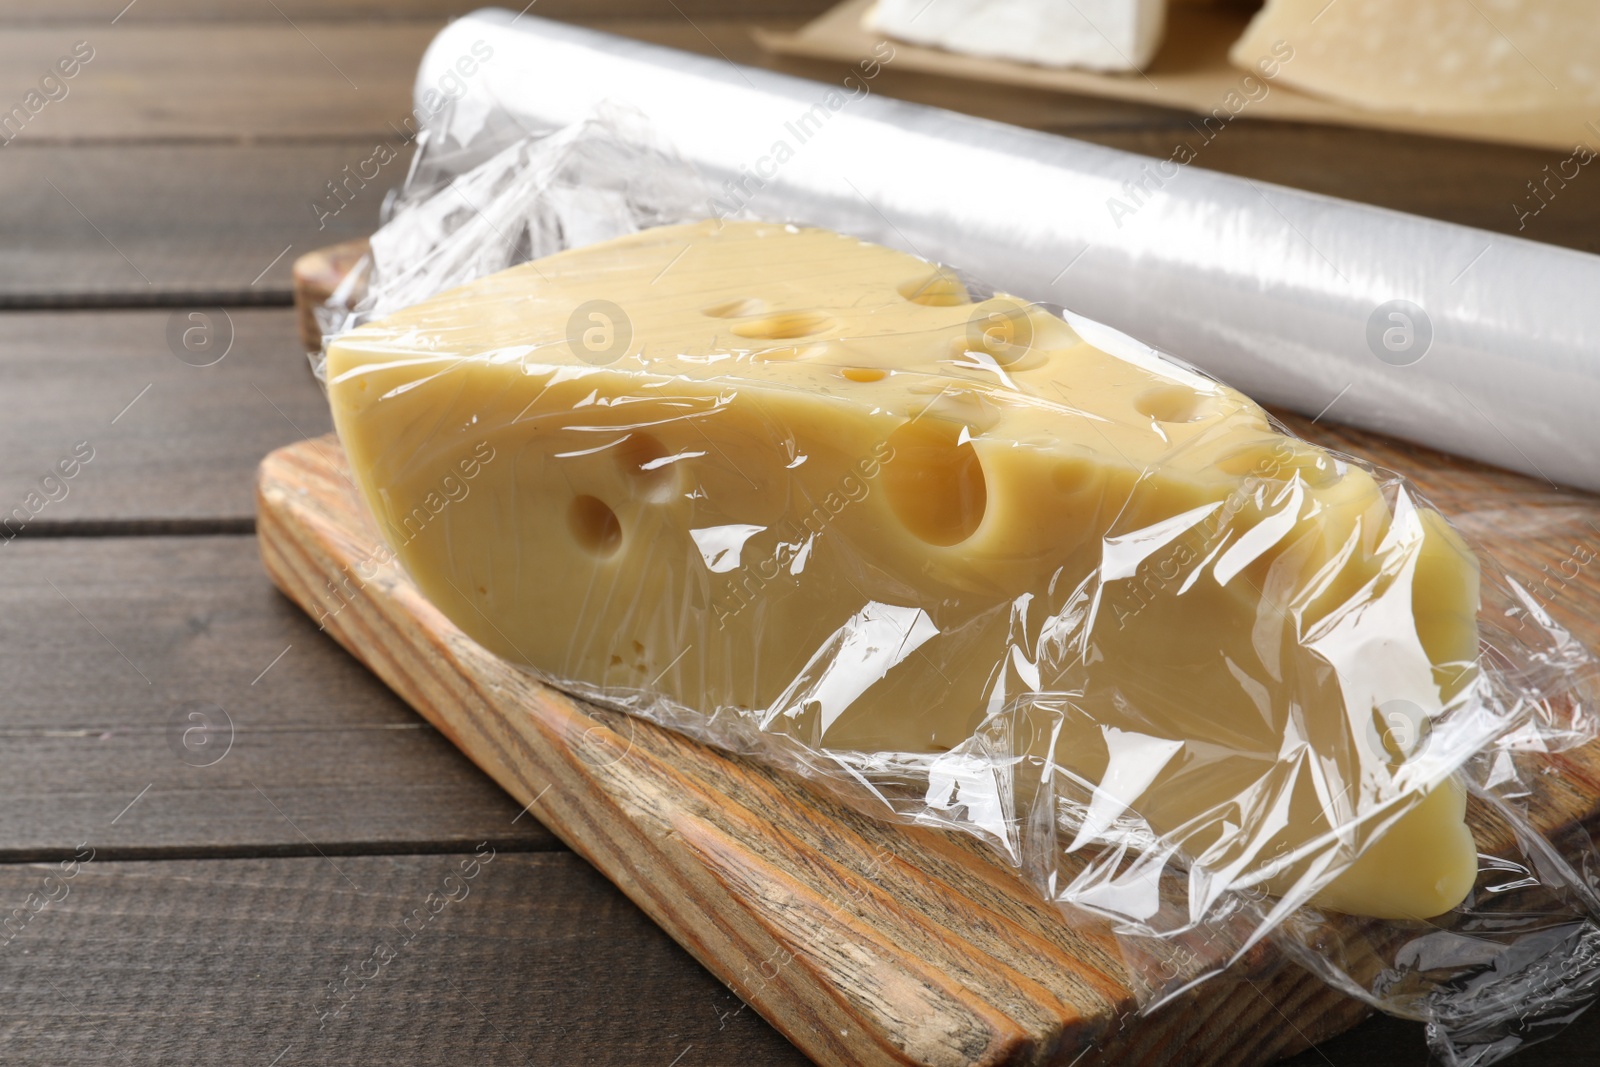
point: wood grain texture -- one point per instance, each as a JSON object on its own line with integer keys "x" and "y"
{"x": 172, "y": 666}
{"x": 174, "y": 444}
{"x": 316, "y": 275}
{"x": 201, "y": 81}
{"x": 533, "y": 959}
{"x": 125, "y": 225}
{"x": 116, "y": 221}
{"x": 272, "y": 80}
{"x": 916, "y": 944}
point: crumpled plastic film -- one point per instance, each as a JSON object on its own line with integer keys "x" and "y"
{"x": 1242, "y": 689}
{"x": 505, "y": 197}
{"x": 1476, "y": 343}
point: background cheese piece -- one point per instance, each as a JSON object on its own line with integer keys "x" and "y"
{"x": 1093, "y": 34}
{"x": 1434, "y": 55}
{"x": 783, "y": 475}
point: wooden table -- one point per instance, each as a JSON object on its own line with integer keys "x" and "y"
{"x": 213, "y": 817}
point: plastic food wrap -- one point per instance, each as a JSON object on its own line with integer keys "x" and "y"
{"x": 1472, "y": 342}
{"x": 975, "y": 564}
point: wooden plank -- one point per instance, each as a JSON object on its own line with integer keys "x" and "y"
{"x": 532, "y": 960}
{"x": 317, "y": 275}
{"x": 206, "y": 82}
{"x": 211, "y": 82}
{"x": 918, "y": 943}
{"x": 128, "y": 225}
{"x": 173, "y": 444}
{"x": 1384, "y": 1041}
{"x": 171, "y": 670}
{"x": 113, "y": 224}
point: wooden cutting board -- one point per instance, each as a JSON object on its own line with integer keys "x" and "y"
{"x": 863, "y": 942}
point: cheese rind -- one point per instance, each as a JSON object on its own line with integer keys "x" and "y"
{"x": 799, "y": 483}
{"x": 1444, "y": 56}
{"x": 1092, "y": 34}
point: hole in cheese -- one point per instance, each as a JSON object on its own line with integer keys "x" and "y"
{"x": 594, "y": 525}
{"x": 641, "y": 457}
{"x": 935, "y": 483}
{"x": 734, "y": 309}
{"x": 1278, "y": 460}
{"x": 784, "y": 326}
{"x": 1014, "y": 334}
{"x": 864, "y": 374}
{"x": 941, "y": 289}
{"x": 1172, "y": 403}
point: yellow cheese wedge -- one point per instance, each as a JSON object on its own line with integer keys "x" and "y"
{"x": 1444, "y": 56}
{"x": 783, "y": 476}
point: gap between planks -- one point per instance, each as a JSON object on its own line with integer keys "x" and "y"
{"x": 280, "y": 850}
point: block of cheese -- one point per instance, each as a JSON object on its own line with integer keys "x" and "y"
{"x": 792, "y": 482}
{"x": 1091, "y": 34}
{"x": 1433, "y": 55}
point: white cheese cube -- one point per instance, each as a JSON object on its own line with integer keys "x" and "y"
{"x": 1092, "y": 34}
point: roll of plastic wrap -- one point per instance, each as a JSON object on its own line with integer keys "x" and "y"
{"x": 1465, "y": 340}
